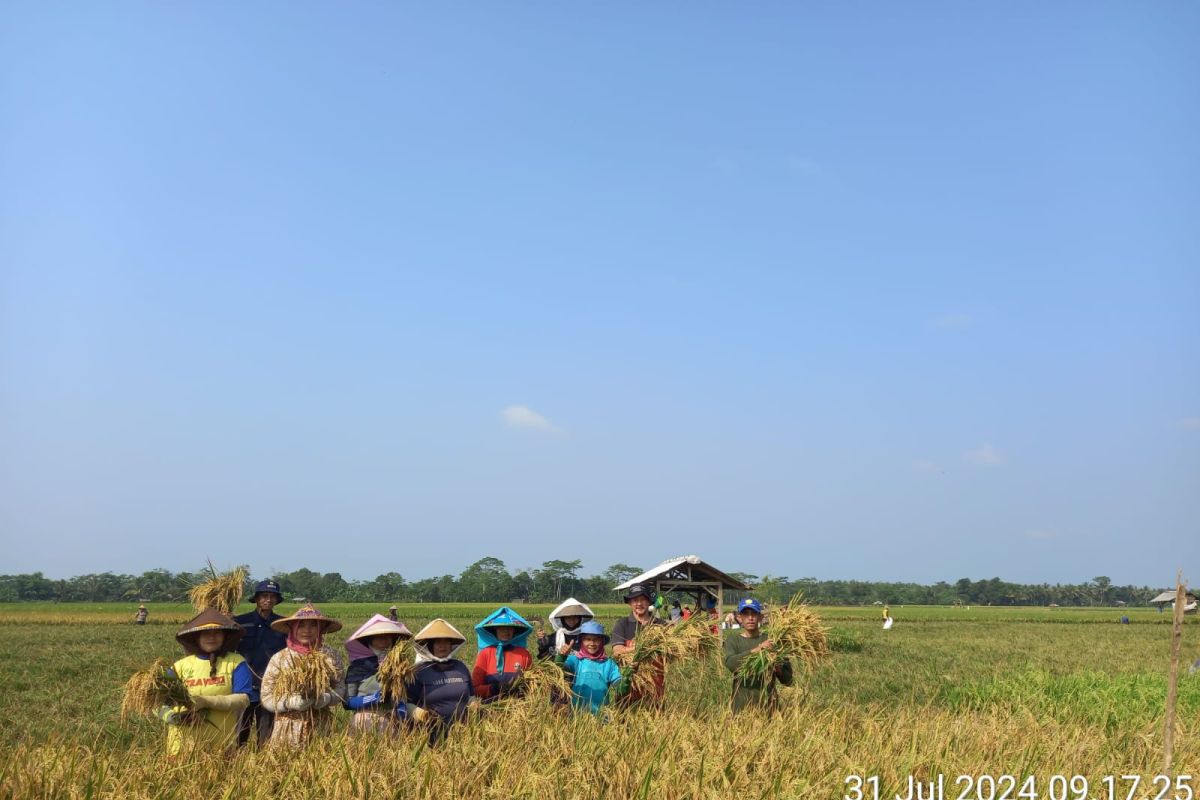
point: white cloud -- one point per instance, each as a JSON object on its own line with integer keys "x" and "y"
{"x": 951, "y": 322}
{"x": 1190, "y": 423}
{"x": 920, "y": 465}
{"x": 526, "y": 417}
{"x": 984, "y": 456}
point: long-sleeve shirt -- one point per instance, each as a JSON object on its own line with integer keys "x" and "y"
{"x": 515, "y": 658}
{"x": 217, "y": 729}
{"x": 259, "y": 642}
{"x": 761, "y": 693}
{"x": 591, "y": 680}
{"x": 295, "y": 727}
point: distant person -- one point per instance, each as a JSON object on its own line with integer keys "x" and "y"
{"x": 139, "y": 617}
{"x": 1124, "y": 620}
{"x": 218, "y": 683}
{"x": 257, "y": 645}
{"x": 502, "y": 654}
{"x": 299, "y": 719}
{"x": 886, "y": 612}
{"x": 393, "y": 614}
{"x": 366, "y": 648}
{"x": 626, "y": 631}
{"x": 595, "y": 678}
{"x": 752, "y": 639}
{"x": 676, "y": 613}
{"x": 730, "y": 622}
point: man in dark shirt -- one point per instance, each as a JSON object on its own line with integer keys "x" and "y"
{"x": 639, "y": 598}
{"x": 257, "y": 646}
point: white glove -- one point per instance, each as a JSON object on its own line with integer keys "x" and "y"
{"x": 295, "y": 702}
{"x": 200, "y": 701}
{"x": 326, "y": 699}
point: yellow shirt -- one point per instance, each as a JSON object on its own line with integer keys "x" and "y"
{"x": 218, "y": 729}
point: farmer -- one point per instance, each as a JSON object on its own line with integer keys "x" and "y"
{"x": 441, "y": 691}
{"x": 139, "y": 617}
{"x": 299, "y": 718}
{"x": 565, "y": 621}
{"x": 393, "y": 614}
{"x": 591, "y": 672}
{"x": 366, "y": 648}
{"x": 749, "y": 691}
{"x": 676, "y": 613}
{"x": 626, "y": 631}
{"x": 218, "y": 682}
{"x": 257, "y": 646}
{"x": 502, "y": 654}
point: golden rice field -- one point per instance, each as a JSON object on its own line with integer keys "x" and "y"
{"x": 1020, "y": 692}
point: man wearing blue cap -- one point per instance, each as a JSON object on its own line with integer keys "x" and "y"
{"x": 257, "y": 646}
{"x": 749, "y": 691}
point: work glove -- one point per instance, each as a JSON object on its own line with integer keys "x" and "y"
{"x": 326, "y": 699}
{"x": 169, "y": 715}
{"x": 418, "y": 714}
{"x": 369, "y": 685}
{"x": 364, "y": 701}
{"x": 295, "y": 702}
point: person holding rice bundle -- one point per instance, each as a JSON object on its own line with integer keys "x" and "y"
{"x": 219, "y": 686}
{"x": 441, "y": 691}
{"x": 626, "y": 631}
{"x": 367, "y": 647}
{"x": 304, "y": 680}
{"x": 595, "y": 678}
{"x": 757, "y": 691}
{"x": 502, "y": 653}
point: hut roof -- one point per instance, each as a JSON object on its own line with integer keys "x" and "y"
{"x": 1169, "y": 597}
{"x": 686, "y": 568}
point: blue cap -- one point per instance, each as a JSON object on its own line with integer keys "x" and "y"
{"x": 593, "y": 628}
{"x": 751, "y": 604}
{"x": 270, "y": 587}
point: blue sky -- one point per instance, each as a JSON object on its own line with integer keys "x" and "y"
{"x": 881, "y": 291}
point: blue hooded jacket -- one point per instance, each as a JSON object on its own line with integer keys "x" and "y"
{"x": 502, "y": 616}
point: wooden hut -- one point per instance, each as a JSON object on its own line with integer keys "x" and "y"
{"x": 1168, "y": 599}
{"x": 690, "y": 575}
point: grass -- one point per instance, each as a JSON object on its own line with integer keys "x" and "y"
{"x": 1022, "y": 691}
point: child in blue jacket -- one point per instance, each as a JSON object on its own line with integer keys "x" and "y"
{"x": 594, "y": 676}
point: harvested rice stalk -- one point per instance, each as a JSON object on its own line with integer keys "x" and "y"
{"x": 308, "y": 675}
{"x": 397, "y": 669}
{"x": 153, "y": 687}
{"x": 697, "y": 636}
{"x": 796, "y": 633}
{"x": 221, "y": 592}
{"x": 540, "y": 682}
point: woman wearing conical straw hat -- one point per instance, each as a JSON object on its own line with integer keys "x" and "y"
{"x": 441, "y": 691}
{"x": 367, "y": 647}
{"x": 299, "y": 716}
{"x": 218, "y": 682}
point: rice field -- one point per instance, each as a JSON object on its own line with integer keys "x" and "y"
{"x": 948, "y": 691}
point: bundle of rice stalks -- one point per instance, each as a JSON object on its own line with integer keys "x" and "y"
{"x": 308, "y": 675}
{"x": 796, "y": 634}
{"x": 540, "y": 682}
{"x": 698, "y": 635}
{"x": 221, "y": 592}
{"x": 397, "y": 669}
{"x": 655, "y": 647}
{"x": 150, "y": 688}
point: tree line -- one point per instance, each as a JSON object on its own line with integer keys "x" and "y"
{"x": 489, "y": 580}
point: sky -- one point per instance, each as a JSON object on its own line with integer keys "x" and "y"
{"x": 881, "y": 291}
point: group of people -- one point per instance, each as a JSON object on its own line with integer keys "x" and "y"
{"x": 232, "y": 669}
